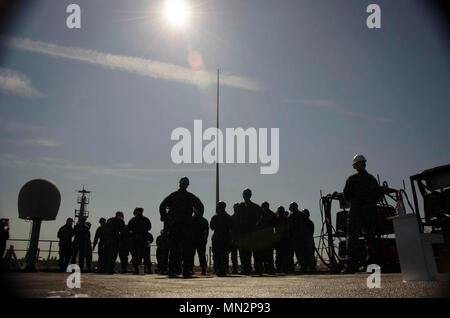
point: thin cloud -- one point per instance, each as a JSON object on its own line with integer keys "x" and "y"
{"x": 21, "y": 133}
{"x": 135, "y": 65}
{"x": 15, "y": 83}
{"x": 79, "y": 171}
{"x": 45, "y": 142}
{"x": 336, "y": 107}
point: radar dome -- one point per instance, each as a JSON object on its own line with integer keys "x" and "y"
{"x": 39, "y": 199}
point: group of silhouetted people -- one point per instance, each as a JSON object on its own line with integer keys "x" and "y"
{"x": 113, "y": 237}
{"x": 257, "y": 231}
{"x": 251, "y": 230}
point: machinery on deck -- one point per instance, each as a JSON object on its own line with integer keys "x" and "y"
{"x": 332, "y": 241}
{"x": 434, "y": 187}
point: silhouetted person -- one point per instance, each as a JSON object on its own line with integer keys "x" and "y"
{"x": 113, "y": 228}
{"x": 176, "y": 211}
{"x": 221, "y": 224}
{"x": 98, "y": 239}
{"x": 139, "y": 226}
{"x": 265, "y": 240}
{"x": 176, "y": 253}
{"x": 10, "y": 260}
{"x": 248, "y": 215}
{"x": 147, "y": 254}
{"x": 80, "y": 243}
{"x": 310, "y": 246}
{"x": 4, "y": 236}
{"x": 298, "y": 234}
{"x": 89, "y": 249}
{"x": 162, "y": 252}
{"x": 234, "y": 240}
{"x": 178, "y": 260}
{"x": 201, "y": 231}
{"x": 283, "y": 261}
{"x": 363, "y": 191}
{"x": 65, "y": 234}
{"x": 124, "y": 248}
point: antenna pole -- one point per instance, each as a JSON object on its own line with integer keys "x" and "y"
{"x": 217, "y": 142}
{"x": 82, "y": 214}
{"x": 32, "y": 252}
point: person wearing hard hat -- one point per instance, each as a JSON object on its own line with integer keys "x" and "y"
{"x": 363, "y": 192}
{"x": 248, "y": 215}
{"x": 221, "y": 223}
{"x": 176, "y": 211}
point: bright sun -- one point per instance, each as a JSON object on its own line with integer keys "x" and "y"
{"x": 177, "y": 12}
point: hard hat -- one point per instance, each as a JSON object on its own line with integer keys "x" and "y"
{"x": 293, "y": 205}
{"x": 102, "y": 220}
{"x": 358, "y": 158}
{"x": 69, "y": 219}
{"x": 265, "y": 204}
{"x": 281, "y": 209}
{"x": 221, "y": 205}
{"x": 306, "y": 211}
{"x": 184, "y": 180}
{"x": 247, "y": 192}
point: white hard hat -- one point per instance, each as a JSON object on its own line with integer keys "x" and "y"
{"x": 358, "y": 158}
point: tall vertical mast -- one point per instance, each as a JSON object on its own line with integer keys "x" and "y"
{"x": 217, "y": 142}
{"x": 83, "y": 201}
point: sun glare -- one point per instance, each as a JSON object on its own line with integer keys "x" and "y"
{"x": 177, "y": 12}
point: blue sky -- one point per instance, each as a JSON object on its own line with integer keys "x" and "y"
{"x": 96, "y": 106}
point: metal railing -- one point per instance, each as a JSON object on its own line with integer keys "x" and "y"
{"x": 52, "y": 249}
